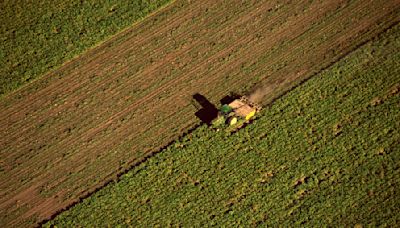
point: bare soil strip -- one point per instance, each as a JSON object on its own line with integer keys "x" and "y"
{"x": 76, "y": 128}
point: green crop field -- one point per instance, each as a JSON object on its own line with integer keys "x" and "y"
{"x": 37, "y": 36}
{"x": 326, "y": 153}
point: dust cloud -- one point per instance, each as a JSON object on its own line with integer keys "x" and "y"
{"x": 260, "y": 92}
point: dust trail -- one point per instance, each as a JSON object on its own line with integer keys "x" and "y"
{"x": 260, "y": 92}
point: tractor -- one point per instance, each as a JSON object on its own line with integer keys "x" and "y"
{"x": 236, "y": 113}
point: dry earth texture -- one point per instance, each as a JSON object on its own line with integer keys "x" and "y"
{"x": 41, "y": 35}
{"x": 80, "y": 126}
{"x": 325, "y": 154}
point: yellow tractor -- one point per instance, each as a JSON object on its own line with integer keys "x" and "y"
{"x": 236, "y": 113}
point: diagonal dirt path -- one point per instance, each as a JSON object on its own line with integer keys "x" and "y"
{"x": 76, "y": 128}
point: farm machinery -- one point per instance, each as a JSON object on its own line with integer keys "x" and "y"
{"x": 233, "y": 113}
{"x": 236, "y": 113}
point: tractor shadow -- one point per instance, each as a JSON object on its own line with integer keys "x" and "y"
{"x": 229, "y": 98}
{"x": 207, "y": 111}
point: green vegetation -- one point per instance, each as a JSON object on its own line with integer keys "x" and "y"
{"x": 325, "y": 153}
{"x": 36, "y": 36}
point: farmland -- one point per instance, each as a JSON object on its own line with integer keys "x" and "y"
{"x": 78, "y": 127}
{"x": 38, "y": 36}
{"x": 326, "y": 153}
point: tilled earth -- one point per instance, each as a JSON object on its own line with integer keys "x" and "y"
{"x": 78, "y": 127}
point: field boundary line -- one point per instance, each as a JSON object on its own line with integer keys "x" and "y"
{"x": 93, "y": 48}
{"x": 297, "y": 83}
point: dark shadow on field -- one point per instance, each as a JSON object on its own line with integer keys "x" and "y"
{"x": 229, "y": 98}
{"x": 207, "y": 111}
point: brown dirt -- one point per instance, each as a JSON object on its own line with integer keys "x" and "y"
{"x": 79, "y": 126}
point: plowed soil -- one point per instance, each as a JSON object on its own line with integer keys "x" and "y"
{"x": 78, "y": 127}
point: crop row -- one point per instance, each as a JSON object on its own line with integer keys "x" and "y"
{"x": 39, "y": 36}
{"x": 325, "y": 153}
